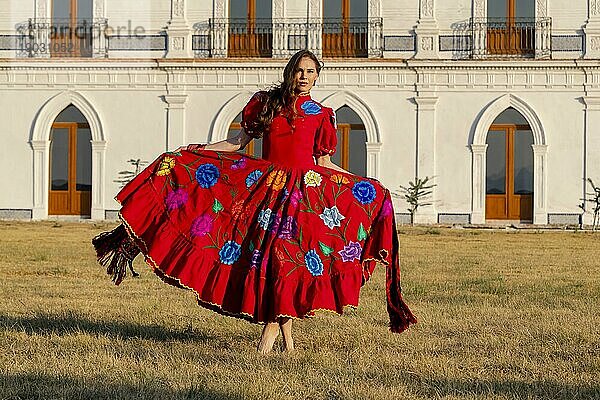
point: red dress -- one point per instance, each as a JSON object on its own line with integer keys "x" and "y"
{"x": 264, "y": 238}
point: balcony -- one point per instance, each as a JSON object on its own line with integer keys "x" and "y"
{"x": 351, "y": 37}
{"x": 511, "y": 38}
{"x": 64, "y": 38}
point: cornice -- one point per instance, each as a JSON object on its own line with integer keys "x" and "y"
{"x": 277, "y": 64}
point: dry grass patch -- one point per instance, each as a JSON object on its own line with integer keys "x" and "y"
{"x": 503, "y": 315}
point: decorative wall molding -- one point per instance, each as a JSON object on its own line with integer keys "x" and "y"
{"x": 40, "y": 144}
{"x": 427, "y": 31}
{"x": 230, "y": 110}
{"x": 352, "y": 100}
{"x": 478, "y": 146}
{"x": 479, "y": 8}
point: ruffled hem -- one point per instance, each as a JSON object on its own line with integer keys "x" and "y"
{"x": 258, "y": 294}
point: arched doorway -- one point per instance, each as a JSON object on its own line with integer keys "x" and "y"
{"x": 254, "y": 148}
{"x": 70, "y": 164}
{"x": 351, "y": 151}
{"x": 509, "y": 168}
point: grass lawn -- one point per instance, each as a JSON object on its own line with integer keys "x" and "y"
{"x": 502, "y": 315}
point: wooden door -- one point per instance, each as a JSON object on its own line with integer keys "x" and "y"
{"x": 345, "y": 28}
{"x": 509, "y": 173}
{"x": 70, "y": 169}
{"x": 511, "y": 27}
{"x": 250, "y": 31}
{"x": 71, "y": 28}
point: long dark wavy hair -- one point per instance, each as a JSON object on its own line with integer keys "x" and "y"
{"x": 281, "y": 96}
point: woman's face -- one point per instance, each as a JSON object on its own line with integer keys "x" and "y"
{"x": 305, "y": 76}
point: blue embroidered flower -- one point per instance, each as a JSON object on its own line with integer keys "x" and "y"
{"x": 313, "y": 263}
{"x": 331, "y": 217}
{"x": 266, "y": 218}
{"x": 253, "y": 177}
{"x": 230, "y": 252}
{"x": 207, "y": 175}
{"x": 364, "y": 191}
{"x": 311, "y": 108}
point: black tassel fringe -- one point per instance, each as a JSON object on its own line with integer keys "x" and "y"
{"x": 116, "y": 251}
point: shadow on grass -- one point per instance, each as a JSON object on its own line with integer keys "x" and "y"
{"x": 442, "y": 388}
{"x": 69, "y": 323}
{"x": 43, "y": 386}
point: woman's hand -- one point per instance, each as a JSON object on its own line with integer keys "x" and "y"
{"x": 325, "y": 161}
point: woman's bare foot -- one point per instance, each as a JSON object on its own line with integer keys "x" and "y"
{"x": 267, "y": 339}
{"x": 286, "y": 331}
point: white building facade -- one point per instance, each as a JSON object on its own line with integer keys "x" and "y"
{"x": 497, "y": 100}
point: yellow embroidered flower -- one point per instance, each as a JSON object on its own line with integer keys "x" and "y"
{"x": 312, "y": 178}
{"x": 339, "y": 179}
{"x": 165, "y": 167}
{"x": 276, "y": 179}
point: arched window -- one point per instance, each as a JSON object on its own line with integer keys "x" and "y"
{"x": 70, "y": 164}
{"x": 509, "y": 170}
{"x": 250, "y": 28}
{"x": 351, "y": 151}
{"x": 254, "y": 148}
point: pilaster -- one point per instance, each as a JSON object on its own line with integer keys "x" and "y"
{"x": 426, "y": 144}
{"x": 179, "y": 34}
{"x": 176, "y": 135}
{"x": 591, "y": 167}
{"x": 427, "y": 31}
{"x": 478, "y": 152}
{"x": 592, "y": 30}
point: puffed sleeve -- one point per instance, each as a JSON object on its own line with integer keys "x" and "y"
{"x": 326, "y": 137}
{"x": 250, "y": 114}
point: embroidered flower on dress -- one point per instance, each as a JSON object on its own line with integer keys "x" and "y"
{"x": 256, "y": 259}
{"x": 364, "y": 191}
{"x": 351, "y": 252}
{"x": 295, "y": 198}
{"x": 311, "y": 108}
{"x": 238, "y": 210}
{"x": 253, "y": 177}
{"x": 387, "y": 209}
{"x": 165, "y": 166}
{"x": 339, "y": 179}
{"x": 239, "y": 164}
{"x": 276, "y": 180}
{"x": 331, "y": 217}
{"x": 266, "y": 218}
{"x": 287, "y": 229}
{"x": 313, "y": 263}
{"x": 230, "y": 252}
{"x": 176, "y": 199}
{"x": 312, "y": 178}
{"x": 201, "y": 225}
{"x": 207, "y": 175}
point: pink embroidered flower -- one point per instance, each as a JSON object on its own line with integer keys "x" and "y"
{"x": 387, "y": 209}
{"x": 201, "y": 225}
{"x": 296, "y": 197}
{"x": 176, "y": 199}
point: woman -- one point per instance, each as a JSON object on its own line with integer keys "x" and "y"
{"x": 267, "y": 240}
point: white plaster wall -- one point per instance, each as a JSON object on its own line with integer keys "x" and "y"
{"x": 399, "y": 16}
{"x": 296, "y": 9}
{"x": 568, "y": 16}
{"x": 152, "y": 15}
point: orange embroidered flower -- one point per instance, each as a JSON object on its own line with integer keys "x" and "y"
{"x": 165, "y": 166}
{"x": 339, "y": 179}
{"x": 237, "y": 210}
{"x": 276, "y": 179}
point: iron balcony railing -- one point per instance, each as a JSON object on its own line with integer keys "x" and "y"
{"x": 511, "y": 37}
{"x": 351, "y": 37}
{"x": 65, "y": 38}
